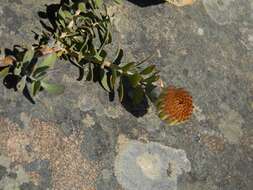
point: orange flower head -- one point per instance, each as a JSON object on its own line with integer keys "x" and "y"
{"x": 175, "y": 105}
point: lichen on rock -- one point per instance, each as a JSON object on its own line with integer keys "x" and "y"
{"x": 222, "y": 11}
{"x": 231, "y": 125}
{"x": 150, "y": 166}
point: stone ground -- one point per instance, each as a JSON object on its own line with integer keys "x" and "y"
{"x": 82, "y": 141}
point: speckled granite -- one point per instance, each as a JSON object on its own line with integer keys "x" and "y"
{"x": 71, "y": 141}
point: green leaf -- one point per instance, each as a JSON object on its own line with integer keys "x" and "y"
{"x": 40, "y": 70}
{"x": 98, "y": 3}
{"x": 4, "y": 72}
{"x": 17, "y": 70}
{"x": 84, "y": 43}
{"x": 151, "y": 79}
{"x": 97, "y": 58}
{"x": 149, "y": 91}
{"x": 67, "y": 14}
{"x": 35, "y": 87}
{"x": 81, "y": 74}
{"x": 41, "y": 75}
{"x": 28, "y": 56}
{"x": 135, "y": 79}
{"x": 48, "y": 61}
{"x": 146, "y": 59}
{"x": 148, "y": 70}
{"x": 21, "y": 84}
{"x": 82, "y": 7}
{"x": 119, "y": 57}
{"x": 128, "y": 66}
{"x": 91, "y": 50}
{"x": 105, "y": 40}
{"x": 90, "y": 73}
{"x": 52, "y": 88}
{"x": 61, "y": 13}
{"x": 104, "y": 80}
{"x": 103, "y": 54}
{"x": 61, "y": 21}
{"x": 118, "y": 1}
{"x": 113, "y": 78}
{"x": 121, "y": 90}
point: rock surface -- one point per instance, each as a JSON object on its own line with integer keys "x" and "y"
{"x": 140, "y": 166}
{"x": 74, "y": 141}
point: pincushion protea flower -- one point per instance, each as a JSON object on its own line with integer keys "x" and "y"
{"x": 174, "y": 105}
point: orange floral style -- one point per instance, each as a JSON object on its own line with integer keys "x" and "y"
{"x": 175, "y": 105}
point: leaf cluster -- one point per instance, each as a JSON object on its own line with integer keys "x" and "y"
{"x": 78, "y": 31}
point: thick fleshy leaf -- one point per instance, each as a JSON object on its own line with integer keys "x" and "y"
{"x": 21, "y": 84}
{"x": 28, "y": 56}
{"x": 119, "y": 57}
{"x": 90, "y": 73}
{"x": 82, "y": 7}
{"x": 35, "y": 87}
{"x": 67, "y": 14}
{"x": 41, "y": 75}
{"x": 103, "y": 54}
{"x": 97, "y": 58}
{"x": 145, "y": 60}
{"x": 113, "y": 77}
{"x": 98, "y": 3}
{"x": 121, "y": 90}
{"x": 17, "y": 70}
{"x": 61, "y": 13}
{"x": 148, "y": 70}
{"x": 104, "y": 81}
{"x": 53, "y": 88}
{"x": 4, "y": 72}
{"x": 151, "y": 79}
{"x": 48, "y": 61}
{"x": 128, "y": 66}
{"x": 105, "y": 40}
{"x": 118, "y": 1}
{"x": 61, "y": 21}
{"x": 40, "y": 70}
{"x": 135, "y": 79}
{"x": 81, "y": 74}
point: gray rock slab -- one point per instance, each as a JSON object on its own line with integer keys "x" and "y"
{"x": 150, "y": 166}
{"x": 205, "y": 48}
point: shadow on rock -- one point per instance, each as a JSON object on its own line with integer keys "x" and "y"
{"x": 145, "y": 3}
{"x": 12, "y": 79}
{"x": 50, "y": 15}
{"x": 137, "y": 108}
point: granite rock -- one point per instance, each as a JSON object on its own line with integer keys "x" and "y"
{"x": 205, "y": 48}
